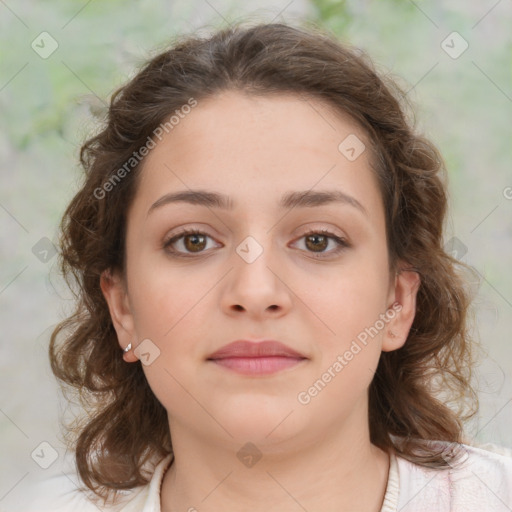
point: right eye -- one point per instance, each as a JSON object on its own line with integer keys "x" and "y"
{"x": 192, "y": 241}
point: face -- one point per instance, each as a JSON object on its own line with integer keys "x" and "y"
{"x": 310, "y": 274}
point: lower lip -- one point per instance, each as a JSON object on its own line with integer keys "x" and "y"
{"x": 257, "y": 365}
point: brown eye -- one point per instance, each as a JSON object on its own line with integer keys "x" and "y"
{"x": 195, "y": 242}
{"x": 187, "y": 243}
{"x": 317, "y": 242}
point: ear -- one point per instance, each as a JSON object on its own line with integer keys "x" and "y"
{"x": 402, "y": 296}
{"x": 114, "y": 290}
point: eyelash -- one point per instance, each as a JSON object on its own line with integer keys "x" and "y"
{"x": 342, "y": 243}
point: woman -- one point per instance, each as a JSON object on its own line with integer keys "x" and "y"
{"x": 267, "y": 319}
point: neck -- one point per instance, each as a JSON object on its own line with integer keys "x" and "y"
{"x": 336, "y": 472}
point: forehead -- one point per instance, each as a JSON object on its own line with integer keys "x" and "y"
{"x": 255, "y": 148}
{"x": 299, "y": 120}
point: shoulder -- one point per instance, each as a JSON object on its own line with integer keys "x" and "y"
{"x": 480, "y": 478}
{"x": 62, "y": 493}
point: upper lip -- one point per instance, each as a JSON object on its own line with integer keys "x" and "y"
{"x": 264, "y": 348}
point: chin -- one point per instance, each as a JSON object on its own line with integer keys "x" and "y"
{"x": 265, "y": 420}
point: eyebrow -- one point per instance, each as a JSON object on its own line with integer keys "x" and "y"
{"x": 298, "y": 199}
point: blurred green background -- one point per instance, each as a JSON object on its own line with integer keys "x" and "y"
{"x": 460, "y": 84}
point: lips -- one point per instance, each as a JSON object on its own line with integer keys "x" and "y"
{"x": 250, "y": 349}
{"x": 260, "y": 358}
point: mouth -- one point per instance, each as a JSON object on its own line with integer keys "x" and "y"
{"x": 257, "y": 365}
{"x": 256, "y": 358}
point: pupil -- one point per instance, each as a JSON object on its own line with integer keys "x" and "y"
{"x": 194, "y": 247}
{"x": 316, "y": 237}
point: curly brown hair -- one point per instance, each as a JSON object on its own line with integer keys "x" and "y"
{"x": 126, "y": 425}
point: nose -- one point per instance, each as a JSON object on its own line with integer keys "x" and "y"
{"x": 256, "y": 284}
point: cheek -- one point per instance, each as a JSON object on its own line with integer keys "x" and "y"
{"x": 172, "y": 316}
{"x": 351, "y": 299}
{"x": 347, "y": 357}
{"x": 164, "y": 298}
{"x": 351, "y": 306}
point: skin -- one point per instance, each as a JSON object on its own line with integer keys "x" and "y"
{"x": 315, "y": 456}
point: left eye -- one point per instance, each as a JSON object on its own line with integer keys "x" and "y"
{"x": 319, "y": 241}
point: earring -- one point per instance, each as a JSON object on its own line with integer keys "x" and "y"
{"x": 128, "y": 348}
{"x": 392, "y": 334}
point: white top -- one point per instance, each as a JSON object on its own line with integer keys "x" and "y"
{"x": 481, "y": 482}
